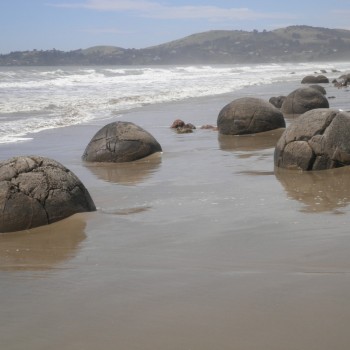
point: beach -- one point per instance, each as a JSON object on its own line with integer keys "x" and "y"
{"x": 204, "y": 246}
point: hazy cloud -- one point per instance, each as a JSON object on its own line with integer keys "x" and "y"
{"x": 97, "y": 31}
{"x": 156, "y": 10}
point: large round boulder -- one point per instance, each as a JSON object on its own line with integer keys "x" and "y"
{"x": 313, "y": 79}
{"x": 302, "y": 100}
{"x": 36, "y": 191}
{"x": 120, "y": 142}
{"x": 249, "y": 115}
{"x": 316, "y": 140}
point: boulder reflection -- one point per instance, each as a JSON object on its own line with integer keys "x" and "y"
{"x": 43, "y": 247}
{"x": 253, "y": 142}
{"x": 326, "y": 190}
{"x": 128, "y": 173}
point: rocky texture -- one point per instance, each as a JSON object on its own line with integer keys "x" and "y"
{"x": 302, "y": 100}
{"x": 319, "y": 88}
{"x": 277, "y": 101}
{"x": 249, "y": 115}
{"x": 120, "y": 142}
{"x": 344, "y": 80}
{"x": 317, "y": 140}
{"x": 182, "y": 127}
{"x": 36, "y": 191}
{"x": 315, "y": 79}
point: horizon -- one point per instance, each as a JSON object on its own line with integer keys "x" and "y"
{"x": 68, "y": 25}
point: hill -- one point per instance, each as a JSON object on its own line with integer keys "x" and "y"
{"x": 294, "y": 43}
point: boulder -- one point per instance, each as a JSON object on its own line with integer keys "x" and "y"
{"x": 178, "y": 123}
{"x": 316, "y": 140}
{"x": 249, "y": 115}
{"x": 344, "y": 81}
{"x": 302, "y": 100}
{"x": 313, "y": 79}
{"x": 36, "y": 191}
{"x": 181, "y": 127}
{"x": 319, "y": 88}
{"x": 277, "y": 101}
{"x": 120, "y": 142}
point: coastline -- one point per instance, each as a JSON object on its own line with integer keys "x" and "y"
{"x": 201, "y": 247}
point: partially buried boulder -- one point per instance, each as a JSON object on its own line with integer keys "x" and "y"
{"x": 302, "y": 100}
{"x": 277, "y": 101}
{"x": 181, "y": 127}
{"x": 313, "y": 79}
{"x": 316, "y": 140}
{"x": 249, "y": 115}
{"x": 120, "y": 142}
{"x": 36, "y": 191}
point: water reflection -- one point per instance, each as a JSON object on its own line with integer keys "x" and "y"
{"x": 326, "y": 190}
{"x": 253, "y": 142}
{"x": 43, "y": 247}
{"x": 129, "y": 173}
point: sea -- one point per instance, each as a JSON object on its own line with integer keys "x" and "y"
{"x": 33, "y": 99}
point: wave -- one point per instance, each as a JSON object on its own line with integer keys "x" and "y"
{"x": 38, "y": 98}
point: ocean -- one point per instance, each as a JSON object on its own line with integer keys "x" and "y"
{"x": 33, "y": 99}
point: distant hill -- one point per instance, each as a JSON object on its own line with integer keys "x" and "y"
{"x": 290, "y": 44}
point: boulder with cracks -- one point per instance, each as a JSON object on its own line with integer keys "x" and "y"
{"x": 119, "y": 142}
{"x": 316, "y": 140}
{"x": 36, "y": 191}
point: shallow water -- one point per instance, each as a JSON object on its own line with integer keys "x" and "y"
{"x": 205, "y": 246}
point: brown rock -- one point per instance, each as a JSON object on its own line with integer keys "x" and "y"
{"x": 302, "y": 100}
{"x": 120, "y": 142}
{"x": 249, "y": 115}
{"x": 36, "y": 191}
{"x": 277, "y": 101}
{"x": 316, "y": 140}
{"x": 312, "y": 79}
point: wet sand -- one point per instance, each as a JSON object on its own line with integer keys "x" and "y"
{"x": 203, "y": 247}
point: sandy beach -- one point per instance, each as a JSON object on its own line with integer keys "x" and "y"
{"x": 202, "y": 247}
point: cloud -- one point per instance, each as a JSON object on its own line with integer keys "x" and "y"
{"x": 149, "y": 9}
{"x": 97, "y": 31}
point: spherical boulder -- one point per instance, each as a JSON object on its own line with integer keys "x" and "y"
{"x": 36, "y": 191}
{"x": 313, "y": 79}
{"x": 249, "y": 115}
{"x": 302, "y": 100}
{"x": 316, "y": 140}
{"x": 120, "y": 142}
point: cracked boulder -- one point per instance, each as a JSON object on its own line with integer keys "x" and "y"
{"x": 36, "y": 191}
{"x": 120, "y": 142}
{"x": 249, "y": 115}
{"x": 302, "y": 100}
{"x": 316, "y": 140}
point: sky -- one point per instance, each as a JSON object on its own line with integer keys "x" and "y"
{"x": 78, "y": 24}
